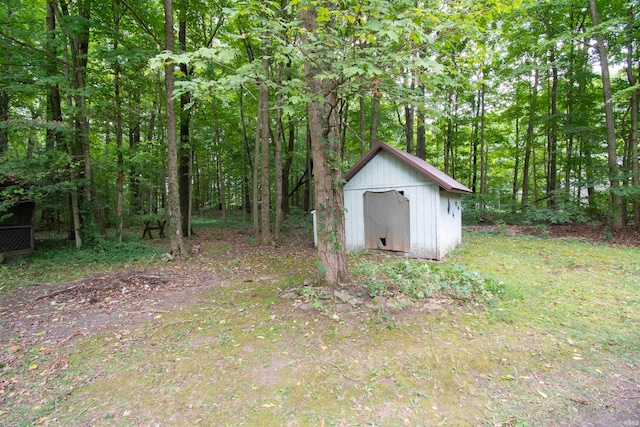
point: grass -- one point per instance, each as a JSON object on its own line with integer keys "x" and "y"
{"x": 57, "y": 260}
{"x": 555, "y": 346}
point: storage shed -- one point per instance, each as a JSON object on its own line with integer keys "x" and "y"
{"x": 397, "y": 202}
{"x": 16, "y": 221}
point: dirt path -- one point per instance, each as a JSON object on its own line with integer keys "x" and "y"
{"x": 52, "y": 314}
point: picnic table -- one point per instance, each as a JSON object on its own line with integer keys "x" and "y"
{"x": 148, "y": 228}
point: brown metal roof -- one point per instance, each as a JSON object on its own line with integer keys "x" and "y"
{"x": 443, "y": 180}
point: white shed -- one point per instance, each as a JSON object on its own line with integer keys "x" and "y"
{"x": 398, "y": 202}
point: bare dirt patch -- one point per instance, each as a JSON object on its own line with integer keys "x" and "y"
{"x": 50, "y": 314}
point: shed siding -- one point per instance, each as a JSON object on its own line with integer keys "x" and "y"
{"x": 424, "y": 221}
{"x": 449, "y": 222}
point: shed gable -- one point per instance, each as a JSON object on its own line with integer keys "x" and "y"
{"x": 383, "y": 171}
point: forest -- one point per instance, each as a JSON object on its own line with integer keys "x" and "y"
{"x": 116, "y": 111}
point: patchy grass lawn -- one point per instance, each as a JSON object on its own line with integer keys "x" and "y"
{"x": 561, "y": 347}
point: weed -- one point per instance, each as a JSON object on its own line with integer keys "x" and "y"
{"x": 419, "y": 280}
{"x": 376, "y": 288}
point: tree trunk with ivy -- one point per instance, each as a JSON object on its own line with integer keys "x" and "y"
{"x": 324, "y": 126}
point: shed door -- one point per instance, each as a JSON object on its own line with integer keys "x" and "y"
{"x": 386, "y": 221}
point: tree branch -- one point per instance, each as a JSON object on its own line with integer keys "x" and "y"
{"x": 31, "y": 47}
{"x": 143, "y": 24}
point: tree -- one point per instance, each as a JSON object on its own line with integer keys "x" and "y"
{"x": 324, "y": 129}
{"x": 617, "y": 218}
{"x": 175, "y": 218}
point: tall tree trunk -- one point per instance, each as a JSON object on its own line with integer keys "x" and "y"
{"x": 245, "y": 151}
{"x": 4, "y": 107}
{"x": 255, "y": 209}
{"x": 327, "y": 164}
{"x": 569, "y": 123}
{"x": 265, "y": 217}
{"x": 54, "y": 110}
{"x": 185, "y": 150}
{"x": 421, "y": 145}
{"x": 529, "y": 140}
{"x": 475, "y": 138}
{"x": 449, "y": 132}
{"x": 286, "y": 171}
{"x": 118, "y": 125}
{"x": 4, "y": 121}
{"x": 552, "y": 171}
{"x": 408, "y": 118}
{"x": 278, "y": 163}
{"x": 363, "y": 121}
{"x": 134, "y": 141}
{"x": 218, "y": 154}
{"x": 484, "y": 147}
{"x": 375, "y": 116}
{"x": 173, "y": 205}
{"x": 81, "y": 145}
{"x": 514, "y": 186}
{"x": 308, "y": 188}
{"x": 409, "y": 114}
{"x": 633, "y": 106}
{"x": 246, "y": 158}
{"x": 617, "y": 219}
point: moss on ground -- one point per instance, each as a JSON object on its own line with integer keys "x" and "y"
{"x": 548, "y": 355}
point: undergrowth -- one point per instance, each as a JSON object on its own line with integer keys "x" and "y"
{"x": 419, "y": 280}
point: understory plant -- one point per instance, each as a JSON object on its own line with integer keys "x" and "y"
{"x": 417, "y": 280}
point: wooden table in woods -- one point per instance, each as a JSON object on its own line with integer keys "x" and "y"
{"x": 148, "y": 228}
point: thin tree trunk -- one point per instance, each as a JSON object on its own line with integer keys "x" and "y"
{"x": 255, "y": 210}
{"x": 475, "y": 130}
{"x": 4, "y": 106}
{"x": 81, "y": 146}
{"x": 569, "y": 122}
{"x": 529, "y": 139}
{"x": 309, "y": 170}
{"x": 278, "y": 163}
{"x": 375, "y": 117}
{"x": 136, "y": 202}
{"x": 54, "y": 109}
{"x": 449, "y": 131}
{"x": 408, "y": 117}
{"x": 553, "y": 137}
{"x": 484, "y": 147}
{"x": 75, "y": 215}
{"x": 421, "y": 146}
{"x": 4, "y": 120}
{"x": 218, "y": 155}
{"x": 409, "y": 114}
{"x": 118, "y": 125}
{"x": 633, "y": 104}
{"x": 175, "y": 217}
{"x": 363, "y": 138}
{"x": 265, "y": 229}
{"x": 245, "y": 150}
{"x": 185, "y": 150}
{"x": 514, "y": 187}
{"x": 617, "y": 219}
